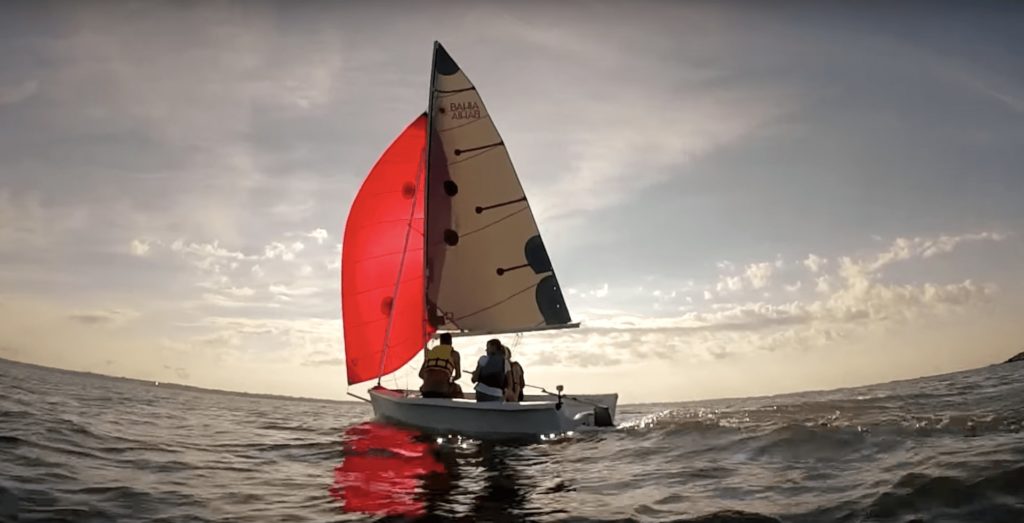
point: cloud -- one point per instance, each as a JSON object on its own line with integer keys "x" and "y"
{"x": 759, "y": 274}
{"x": 854, "y": 299}
{"x": 296, "y": 341}
{"x": 282, "y": 251}
{"x": 179, "y": 372}
{"x": 754, "y": 276}
{"x": 206, "y": 250}
{"x": 982, "y": 82}
{"x": 320, "y": 235}
{"x": 10, "y": 95}
{"x": 288, "y": 291}
{"x": 907, "y": 248}
{"x": 823, "y": 284}
{"x": 729, "y": 283}
{"x": 666, "y": 132}
{"x": 814, "y": 262}
{"x": 215, "y": 299}
{"x": 599, "y": 293}
{"x": 26, "y": 222}
{"x": 240, "y": 291}
{"x": 325, "y": 362}
{"x": 140, "y": 247}
{"x": 104, "y": 317}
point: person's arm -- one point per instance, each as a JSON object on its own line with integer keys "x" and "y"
{"x": 476, "y": 372}
{"x": 423, "y": 368}
{"x": 458, "y": 366}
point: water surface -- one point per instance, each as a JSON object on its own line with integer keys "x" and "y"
{"x": 78, "y": 447}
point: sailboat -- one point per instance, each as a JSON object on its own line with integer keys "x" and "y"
{"x": 441, "y": 238}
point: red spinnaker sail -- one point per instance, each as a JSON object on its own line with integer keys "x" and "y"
{"x": 378, "y": 246}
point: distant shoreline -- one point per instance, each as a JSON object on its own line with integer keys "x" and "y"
{"x": 1017, "y": 358}
{"x": 178, "y": 386}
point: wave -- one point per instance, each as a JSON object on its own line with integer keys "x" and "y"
{"x": 889, "y": 421}
{"x": 721, "y": 516}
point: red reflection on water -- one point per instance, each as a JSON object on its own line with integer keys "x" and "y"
{"x": 383, "y": 469}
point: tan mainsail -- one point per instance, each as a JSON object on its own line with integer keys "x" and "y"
{"x": 487, "y": 268}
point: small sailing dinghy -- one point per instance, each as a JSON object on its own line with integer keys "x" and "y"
{"x": 441, "y": 238}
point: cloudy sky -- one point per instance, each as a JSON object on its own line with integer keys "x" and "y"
{"x": 739, "y": 198}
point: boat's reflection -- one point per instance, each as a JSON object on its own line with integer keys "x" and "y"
{"x": 389, "y": 471}
{"x": 384, "y": 470}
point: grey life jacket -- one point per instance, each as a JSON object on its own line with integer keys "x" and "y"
{"x": 492, "y": 373}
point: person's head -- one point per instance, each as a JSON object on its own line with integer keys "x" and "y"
{"x": 508, "y": 352}
{"x": 445, "y": 339}
{"x": 493, "y": 346}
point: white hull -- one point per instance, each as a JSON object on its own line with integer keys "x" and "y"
{"x": 536, "y": 416}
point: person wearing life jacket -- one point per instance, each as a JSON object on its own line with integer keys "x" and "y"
{"x": 441, "y": 369}
{"x": 492, "y": 373}
{"x": 514, "y": 390}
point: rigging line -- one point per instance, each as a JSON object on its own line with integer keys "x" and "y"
{"x": 461, "y": 125}
{"x": 380, "y": 222}
{"x": 489, "y": 307}
{"x": 398, "y": 279}
{"x": 459, "y": 152}
{"x": 445, "y": 315}
{"x": 451, "y": 319}
{"x": 377, "y": 288}
{"x": 495, "y": 222}
{"x": 385, "y": 255}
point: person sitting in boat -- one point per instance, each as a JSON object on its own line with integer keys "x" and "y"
{"x": 492, "y": 373}
{"x": 514, "y": 390}
{"x": 441, "y": 369}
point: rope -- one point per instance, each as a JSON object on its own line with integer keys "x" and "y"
{"x": 574, "y": 398}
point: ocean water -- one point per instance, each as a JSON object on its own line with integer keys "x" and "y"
{"x": 77, "y": 447}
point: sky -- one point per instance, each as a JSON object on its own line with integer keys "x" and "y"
{"x": 739, "y": 198}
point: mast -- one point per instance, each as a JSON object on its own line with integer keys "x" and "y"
{"x": 426, "y": 187}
